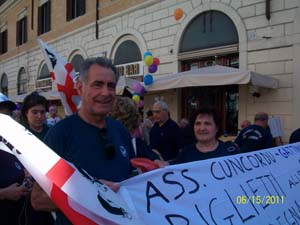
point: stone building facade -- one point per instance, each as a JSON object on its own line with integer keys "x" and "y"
{"x": 268, "y": 42}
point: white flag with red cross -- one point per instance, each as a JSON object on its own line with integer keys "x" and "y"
{"x": 63, "y": 76}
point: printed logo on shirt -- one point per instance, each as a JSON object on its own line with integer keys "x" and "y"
{"x": 18, "y": 166}
{"x": 123, "y": 151}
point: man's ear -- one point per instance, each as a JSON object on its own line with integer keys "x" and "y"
{"x": 78, "y": 86}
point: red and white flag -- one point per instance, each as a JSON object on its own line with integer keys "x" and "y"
{"x": 83, "y": 199}
{"x": 63, "y": 75}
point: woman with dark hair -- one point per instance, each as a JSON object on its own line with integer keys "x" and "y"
{"x": 206, "y": 124}
{"x": 33, "y": 117}
{"x": 34, "y": 114}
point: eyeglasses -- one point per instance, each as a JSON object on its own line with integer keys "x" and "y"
{"x": 109, "y": 148}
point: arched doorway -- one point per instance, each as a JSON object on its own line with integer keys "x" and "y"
{"x": 210, "y": 38}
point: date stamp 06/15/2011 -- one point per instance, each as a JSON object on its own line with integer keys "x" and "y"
{"x": 258, "y": 199}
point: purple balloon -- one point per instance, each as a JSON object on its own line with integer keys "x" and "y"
{"x": 152, "y": 68}
{"x": 138, "y": 88}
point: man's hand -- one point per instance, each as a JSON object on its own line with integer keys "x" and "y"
{"x": 112, "y": 185}
{"x": 40, "y": 200}
{"x": 14, "y": 192}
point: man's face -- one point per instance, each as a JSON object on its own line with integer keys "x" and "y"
{"x": 99, "y": 91}
{"x": 159, "y": 115}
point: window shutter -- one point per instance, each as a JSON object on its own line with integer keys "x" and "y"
{"x": 81, "y": 7}
{"x": 40, "y": 19}
{"x": 48, "y": 15}
{"x": 18, "y": 34}
{"x": 4, "y": 41}
{"x": 1, "y": 43}
{"x": 69, "y": 9}
{"x": 25, "y": 29}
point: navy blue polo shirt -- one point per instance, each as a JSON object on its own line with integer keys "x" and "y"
{"x": 11, "y": 171}
{"x": 254, "y": 138}
{"x": 191, "y": 153}
{"x": 167, "y": 139}
{"x": 84, "y": 145}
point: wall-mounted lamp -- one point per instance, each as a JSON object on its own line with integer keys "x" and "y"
{"x": 254, "y": 90}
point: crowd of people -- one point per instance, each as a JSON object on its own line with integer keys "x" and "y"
{"x": 108, "y": 131}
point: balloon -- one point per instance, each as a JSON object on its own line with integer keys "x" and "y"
{"x": 140, "y": 104}
{"x": 148, "y": 79}
{"x": 152, "y": 68}
{"x": 147, "y": 53}
{"x": 136, "y": 98}
{"x": 148, "y": 60}
{"x": 156, "y": 61}
{"x": 178, "y": 13}
{"x": 138, "y": 88}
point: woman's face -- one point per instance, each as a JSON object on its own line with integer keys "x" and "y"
{"x": 36, "y": 117}
{"x": 205, "y": 128}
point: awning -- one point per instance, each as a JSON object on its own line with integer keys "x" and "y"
{"x": 125, "y": 82}
{"x": 211, "y": 76}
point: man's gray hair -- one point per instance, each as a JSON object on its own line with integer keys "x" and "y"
{"x": 101, "y": 61}
{"x": 262, "y": 116}
{"x": 163, "y": 105}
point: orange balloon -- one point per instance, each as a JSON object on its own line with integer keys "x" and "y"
{"x": 178, "y": 13}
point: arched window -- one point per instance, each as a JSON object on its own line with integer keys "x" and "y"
{"x": 44, "y": 72}
{"x": 76, "y": 62}
{"x": 207, "y": 30}
{"x": 4, "y": 84}
{"x": 127, "y": 52}
{"x": 22, "y": 81}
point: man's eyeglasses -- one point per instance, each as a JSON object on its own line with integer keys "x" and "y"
{"x": 109, "y": 148}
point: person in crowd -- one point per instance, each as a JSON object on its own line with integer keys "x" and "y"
{"x": 245, "y": 124}
{"x": 165, "y": 136}
{"x": 147, "y": 125}
{"x": 12, "y": 193}
{"x": 33, "y": 117}
{"x": 125, "y": 111}
{"x": 295, "y": 136}
{"x": 206, "y": 123}
{"x": 33, "y": 114}
{"x": 256, "y": 136}
{"x": 53, "y": 118}
{"x": 186, "y": 132}
{"x": 90, "y": 139}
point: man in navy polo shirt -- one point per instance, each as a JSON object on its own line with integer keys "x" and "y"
{"x": 165, "y": 135}
{"x": 256, "y": 136}
{"x": 90, "y": 139}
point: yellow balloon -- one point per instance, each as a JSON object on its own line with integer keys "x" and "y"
{"x": 136, "y": 98}
{"x": 148, "y": 60}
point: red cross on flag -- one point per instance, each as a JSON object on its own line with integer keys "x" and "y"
{"x": 63, "y": 75}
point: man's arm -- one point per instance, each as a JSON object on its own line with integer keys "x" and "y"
{"x": 40, "y": 200}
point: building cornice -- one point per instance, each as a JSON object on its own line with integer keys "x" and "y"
{"x": 7, "y": 5}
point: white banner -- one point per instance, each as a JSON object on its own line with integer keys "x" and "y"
{"x": 256, "y": 188}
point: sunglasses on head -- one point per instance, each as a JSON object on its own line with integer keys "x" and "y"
{"x": 109, "y": 148}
